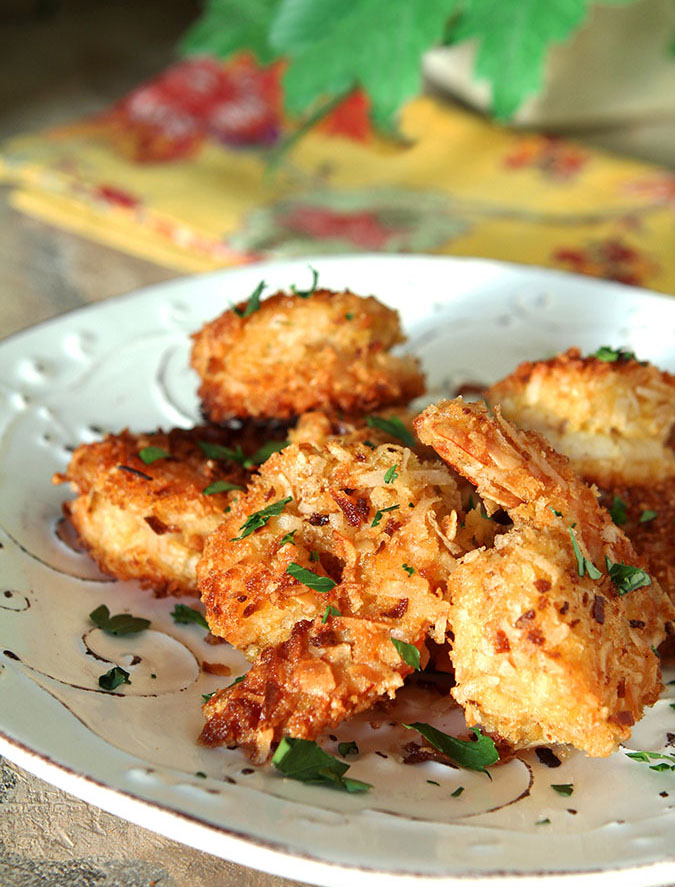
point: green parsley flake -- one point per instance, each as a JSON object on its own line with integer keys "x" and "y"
{"x": 369, "y": 443}
{"x": 433, "y": 782}
{"x": 201, "y": 774}
{"x": 349, "y": 316}
{"x": 113, "y": 678}
{"x": 565, "y": 789}
{"x": 618, "y": 511}
{"x": 583, "y": 563}
{"x": 612, "y": 355}
{"x": 409, "y": 570}
{"x": 408, "y": 653}
{"x": 263, "y": 453}
{"x": 457, "y": 792}
{"x": 546, "y": 821}
{"x": 221, "y": 453}
{"x": 647, "y": 757}
{"x": 207, "y": 696}
{"x": 381, "y": 512}
{"x": 307, "y": 762}
{"x": 390, "y": 475}
{"x": 236, "y": 681}
{"x": 647, "y": 515}
{"x": 260, "y": 518}
{"x": 330, "y": 611}
{"x": 184, "y": 615}
{"x": 310, "y": 579}
{"x": 122, "y": 623}
{"x": 314, "y": 556}
{"x": 393, "y": 427}
{"x": 627, "y": 578}
{"x": 253, "y": 302}
{"x": 288, "y": 539}
{"x": 220, "y": 486}
{"x": 348, "y": 748}
{"x": 305, "y": 294}
{"x": 555, "y": 511}
{"x": 153, "y": 454}
{"x": 472, "y": 755}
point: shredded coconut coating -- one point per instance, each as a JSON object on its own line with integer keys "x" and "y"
{"x": 614, "y": 420}
{"x": 541, "y": 654}
{"x": 148, "y": 522}
{"x": 328, "y": 352}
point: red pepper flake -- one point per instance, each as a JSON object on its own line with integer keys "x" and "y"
{"x": 501, "y": 642}
{"x": 637, "y": 623}
{"x": 399, "y": 610}
{"x": 156, "y": 525}
{"x": 521, "y": 621}
{"x": 542, "y": 585}
{"x": 598, "y": 610}
{"x": 318, "y": 520}
{"x": 216, "y": 668}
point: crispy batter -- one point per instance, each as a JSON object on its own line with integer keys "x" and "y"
{"x": 541, "y": 654}
{"x": 323, "y": 674}
{"x": 149, "y": 522}
{"x": 613, "y": 420}
{"x": 329, "y": 351}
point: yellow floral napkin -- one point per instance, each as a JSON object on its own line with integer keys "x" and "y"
{"x": 178, "y": 172}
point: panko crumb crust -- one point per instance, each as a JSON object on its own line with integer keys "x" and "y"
{"x": 149, "y": 522}
{"x": 329, "y": 351}
{"x": 541, "y": 654}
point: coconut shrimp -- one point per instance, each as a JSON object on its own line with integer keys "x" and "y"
{"x": 362, "y": 538}
{"x": 325, "y": 351}
{"x": 548, "y": 647}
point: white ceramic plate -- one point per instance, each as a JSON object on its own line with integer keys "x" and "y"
{"x": 125, "y": 363}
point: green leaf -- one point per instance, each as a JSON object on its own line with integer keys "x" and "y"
{"x": 260, "y": 518}
{"x": 408, "y": 653}
{"x": 348, "y": 748}
{"x": 236, "y": 681}
{"x": 618, "y": 511}
{"x": 409, "y": 570}
{"x": 583, "y": 563}
{"x": 648, "y": 515}
{"x": 379, "y": 514}
{"x": 185, "y": 615}
{"x": 288, "y": 539}
{"x": 514, "y": 39}
{"x": 253, "y": 303}
{"x": 393, "y": 427}
{"x": 122, "y": 623}
{"x": 627, "y": 578}
{"x": 220, "y": 486}
{"x": 207, "y": 696}
{"x": 305, "y": 761}
{"x": 153, "y": 454}
{"x": 334, "y": 46}
{"x": 310, "y": 579}
{"x": 457, "y": 792}
{"x": 221, "y": 453}
{"x": 263, "y": 453}
{"x": 468, "y": 754}
{"x": 305, "y": 294}
{"x": 113, "y": 678}
{"x": 390, "y": 475}
{"x": 227, "y": 26}
{"x": 612, "y": 355}
{"x": 330, "y": 611}
{"x": 565, "y": 789}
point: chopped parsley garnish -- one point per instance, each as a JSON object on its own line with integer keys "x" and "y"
{"x": 349, "y": 316}
{"x": 113, "y": 678}
{"x": 583, "y": 563}
{"x": 390, "y": 475}
{"x": 393, "y": 427}
{"x": 433, "y": 782}
{"x": 263, "y": 453}
{"x": 647, "y": 515}
{"x": 260, "y": 518}
{"x": 472, "y": 755}
{"x": 184, "y": 615}
{"x": 314, "y": 556}
{"x": 667, "y": 762}
{"x": 565, "y": 789}
{"x": 220, "y": 486}
{"x": 409, "y": 570}
{"x": 618, "y": 511}
{"x": 369, "y": 443}
{"x": 305, "y": 294}
{"x": 201, "y": 774}
{"x": 457, "y": 792}
{"x": 611, "y": 355}
{"x": 253, "y": 302}
{"x": 310, "y": 579}
{"x": 627, "y": 578}
{"x": 218, "y": 451}
{"x": 122, "y": 623}
{"x": 348, "y": 748}
{"x": 207, "y": 696}
{"x": 555, "y": 511}
{"x": 236, "y": 681}
{"x": 546, "y": 821}
{"x": 330, "y": 611}
{"x": 305, "y": 761}
{"x": 408, "y": 653}
{"x": 288, "y": 539}
{"x": 153, "y": 454}
{"x": 381, "y": 512}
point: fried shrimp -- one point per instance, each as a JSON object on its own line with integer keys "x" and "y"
{"x": 613, "y": 419}
{"x": 547, "y": 646}
{"x": 369, "y": 534}
{"x": 329, "y": 351}
{"x": 149, "y": 521}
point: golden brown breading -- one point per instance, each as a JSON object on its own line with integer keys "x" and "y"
{"x": 614, "y": 419}
{"x": 329, "y": 352}
{"x": 317, "y": 427}
{"x": 149, "y": 522}
{"x": 322, "y": 675}
{"x": 542, "y": 654}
